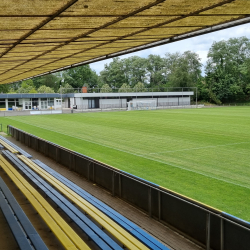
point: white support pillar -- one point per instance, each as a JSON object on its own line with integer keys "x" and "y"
{"x": 6, "y": 104}
{"x": 39, "y": 103}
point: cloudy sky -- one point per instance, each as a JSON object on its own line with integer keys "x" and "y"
{"x": 199, "y": 44}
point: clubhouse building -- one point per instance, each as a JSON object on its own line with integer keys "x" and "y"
{"x": 80, "y": 101}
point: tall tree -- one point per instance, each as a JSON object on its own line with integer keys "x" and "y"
{"x": 66, "y": 88}
{"x": 51, "y": 80}
{"x": 27, "y": 86}
{"x": 78, "y": 76}
{"x": 156, "y": 71}
{"x": 227, "y": 72}
{"x": 13, "y": 87}
{"x": 115, "y": 73}
{"x": 183, "y": 70}
{"x": 4, "y": 88}
{"x": 136, "y": 70}
{"x": 128, "y": 70}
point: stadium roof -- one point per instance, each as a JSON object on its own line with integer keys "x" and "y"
{"x": 41, "y": 36}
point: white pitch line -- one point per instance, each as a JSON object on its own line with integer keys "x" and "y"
{"x": 186, "y": 149}
{"x": 143, "y": 156}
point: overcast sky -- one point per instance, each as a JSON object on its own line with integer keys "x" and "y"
{"x": 199, "y": 44}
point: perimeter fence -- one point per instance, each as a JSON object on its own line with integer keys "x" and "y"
{"x": 207, "y": 226}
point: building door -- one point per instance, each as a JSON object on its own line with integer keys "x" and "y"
{"x": 35, "y": 103}
{"x": 44, "y": 104}
{"x": 27, "y": 105}
{"x": 58, "y": 103}
{"x": 94, "y": 103}
{"x": 91, "y": 103}
{"x": 68, "y": 102}
{"x": 97, "y": 103}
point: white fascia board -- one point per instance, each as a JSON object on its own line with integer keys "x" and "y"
{"x": 141, "y": 94}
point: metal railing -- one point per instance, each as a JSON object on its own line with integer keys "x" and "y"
{"x": 126, "y": 90}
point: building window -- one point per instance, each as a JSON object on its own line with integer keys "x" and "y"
{"x": 19, "y": 103}
{"x": 50, "y": 102}
{"x": 35, "y": 102}
{"x": 11, "y": 103}
{"x": 2, "y": 103}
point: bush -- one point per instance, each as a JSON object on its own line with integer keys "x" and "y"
{"x": 106, "y": 89}
{"x": 139, "y": 87}
{"x": 125, "y": 88}
{"x": 45, "y": 89}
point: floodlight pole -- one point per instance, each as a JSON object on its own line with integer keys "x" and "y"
{"x": 182, "y": 98}
{"x": 61, "y": 97}
{"x": 196, "y": 97}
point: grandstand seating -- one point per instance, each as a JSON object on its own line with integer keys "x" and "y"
{"x": 7, "y": 146}
{"x": 18, "y": 149}
{"x": 64, "y": 233}
{"x": 101, "y": 239}
{"x": 22, "y": 229}
{"x": 113, "y": 228}
{"x": 136, "y": 231}
{"x": 65, "y": 194}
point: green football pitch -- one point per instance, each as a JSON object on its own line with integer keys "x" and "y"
{"x": 200, "y": 153}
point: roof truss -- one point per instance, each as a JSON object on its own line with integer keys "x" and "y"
{"x": 43, "y": 36}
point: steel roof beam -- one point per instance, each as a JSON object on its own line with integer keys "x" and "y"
{"x": 151, "y": 45}
{"x": 57, "y": 13}
{"x": 143, "y": 30}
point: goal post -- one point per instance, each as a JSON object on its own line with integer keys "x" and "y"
{"x": 142, "y": 105}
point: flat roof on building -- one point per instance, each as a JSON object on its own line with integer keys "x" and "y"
{"x": 92, "y": 95}
{"x": 134, "y": 94}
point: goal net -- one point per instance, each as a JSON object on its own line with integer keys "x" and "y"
{"x": 142, "y": 105}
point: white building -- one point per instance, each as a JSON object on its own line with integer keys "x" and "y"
{"x": 90, "y": 100}
{"x": 29, "y": 101}
{"x": 119, "y": 100}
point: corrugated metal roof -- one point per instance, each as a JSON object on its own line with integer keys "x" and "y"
{"x": 41, "y": 36}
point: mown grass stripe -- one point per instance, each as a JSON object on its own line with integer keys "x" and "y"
{"x": 131, "y": 141}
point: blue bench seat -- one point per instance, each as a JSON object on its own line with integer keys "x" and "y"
{"x": 25, "y": 234}
{"x": 16, "y": 147}
{"x": 136, "y": 231}
{"x": 96, "y": 234}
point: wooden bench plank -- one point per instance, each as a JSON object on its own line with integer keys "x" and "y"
{"x": 64, "y": 233}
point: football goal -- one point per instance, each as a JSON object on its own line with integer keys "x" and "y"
{"x": 142, "y": 105}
